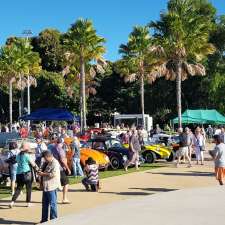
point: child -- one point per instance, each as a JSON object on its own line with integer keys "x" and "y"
{"x": 218, "y": 155}
{"x": 92, "y": 178}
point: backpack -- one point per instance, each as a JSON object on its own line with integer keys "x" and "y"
{"x": 11, "y": 159}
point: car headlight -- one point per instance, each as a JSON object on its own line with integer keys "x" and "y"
{"x": 158, "y": 148}
{"x": 107, "y": 158}
{"x": 125, "y": 158}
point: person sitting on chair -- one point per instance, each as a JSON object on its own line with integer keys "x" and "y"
{"x": 92, "y": 178}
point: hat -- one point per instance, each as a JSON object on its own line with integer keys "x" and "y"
{"x": 25, "y": 147}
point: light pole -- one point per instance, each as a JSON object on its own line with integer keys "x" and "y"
{"x": 28, "y": 33}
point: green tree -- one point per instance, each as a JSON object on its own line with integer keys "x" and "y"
{"x": 28, "y": 65}
{"x": 216, "y": 68}
{"x": 183, "y": 32}
{"x": 86, "y": 46}
{"x": 49, "y": 46}
{"x": 139, "y": 61}
{"x": 9, "y": 72}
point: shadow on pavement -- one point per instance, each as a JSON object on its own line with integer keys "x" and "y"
{"x": 155, "y": 189}
{"x": 127, "y": 193}
{"x": 3, "y": 221}
{"x": 18, "y": 201}
{"x": 187, "y": 174}
{"x": 77, "y": 190}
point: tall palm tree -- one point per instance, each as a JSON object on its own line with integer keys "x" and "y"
{"x": 8, "y": 72}
{"x": 86, "y": 46}
{"x": 28, "y": 66}
{"x": 140, "y": 58}
{"x": 17, "y": 61}
{"x": 183, "y": 33}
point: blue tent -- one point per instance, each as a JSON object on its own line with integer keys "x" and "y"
{"x": 50, "y": 114}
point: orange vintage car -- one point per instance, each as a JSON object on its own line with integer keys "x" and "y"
{"x": 85, "y": 152}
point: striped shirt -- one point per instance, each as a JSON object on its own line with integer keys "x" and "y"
{"x": 92, "y": 173}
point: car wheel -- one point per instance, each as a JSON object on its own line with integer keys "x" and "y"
{"x": 150, "y": 157}
{"x": 171, "y": 157}
{"x": 115, "y": 163}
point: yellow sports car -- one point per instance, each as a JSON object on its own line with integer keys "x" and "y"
{"x": 151, "y": 152}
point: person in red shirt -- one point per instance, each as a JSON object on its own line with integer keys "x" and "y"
{"x": 23, "y": 132}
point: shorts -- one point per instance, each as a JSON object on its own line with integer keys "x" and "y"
{"x": 183, "y": 151}
{"x": 63, "y": 178}
{"x": 13, "y": 169}
{"x": 220, "y": 173}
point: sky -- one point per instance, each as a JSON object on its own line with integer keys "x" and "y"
{"x": 113, "y": 19}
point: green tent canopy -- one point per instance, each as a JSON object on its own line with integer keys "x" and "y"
{"x": 201, "y": 116}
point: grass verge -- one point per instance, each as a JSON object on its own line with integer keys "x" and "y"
{"x": 5, "y": 191}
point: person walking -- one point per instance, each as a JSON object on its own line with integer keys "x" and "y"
{"x": 183, "y": 147}
{"x": 134, "y": 149}
{"x": 50, "y": 183}
{"x": 41, "y": 147}
{"x": 24, "y": 174}
{"x": 199, "y": 146}
{"x": 209, "y": 132}
{"x": 190, "y": 141}
{"x": 60, "y": 155}
{"x": 218, "y": 154}
{"x": 11, "y": 160}
{"x": 75, "y": 146}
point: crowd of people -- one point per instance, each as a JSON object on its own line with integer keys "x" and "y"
{"x": 49, "y": 167}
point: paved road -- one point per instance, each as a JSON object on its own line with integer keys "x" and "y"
{"x": 135, "y": 185}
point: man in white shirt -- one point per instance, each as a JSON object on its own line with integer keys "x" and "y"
{"x": 50, "y": 183}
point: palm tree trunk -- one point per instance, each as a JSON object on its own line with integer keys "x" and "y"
{"x": 83, "y": 95}
{"x": 10, "y": 105}
{"x": 21, "y": 96}
{"x": 142, "y": 101}
{"x": 178, "y": 93}
{"x": 28, "y": 99}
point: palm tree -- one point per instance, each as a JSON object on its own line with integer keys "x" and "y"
{"x": 28, "y": 64}
{"x": 140, "y": 59}
{"x": 86, "y": 46}
{"x": 18, "y": 61}
{"x": 183, "y": 33}
{"x": 8, "y": 72}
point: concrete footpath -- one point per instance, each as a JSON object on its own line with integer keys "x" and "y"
{"x": 200, "y": 206}
{"x": 135, "y": 186}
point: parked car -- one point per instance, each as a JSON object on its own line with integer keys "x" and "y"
{"x": 86, "y": 152}
{"x": 151, "y": 152}
{"x": 5, "y": 136}
{"x": 4, "y": 167}
{"x": 113, "y": 148}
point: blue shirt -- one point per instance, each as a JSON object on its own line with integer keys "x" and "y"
{"x": 76, "y": 150}
{"x": 23, "y": 161}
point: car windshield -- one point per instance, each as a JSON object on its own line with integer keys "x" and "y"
{"x": 115, "y": 143}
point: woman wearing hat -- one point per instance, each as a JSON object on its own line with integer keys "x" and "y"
{"x": 24, "y": 174}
